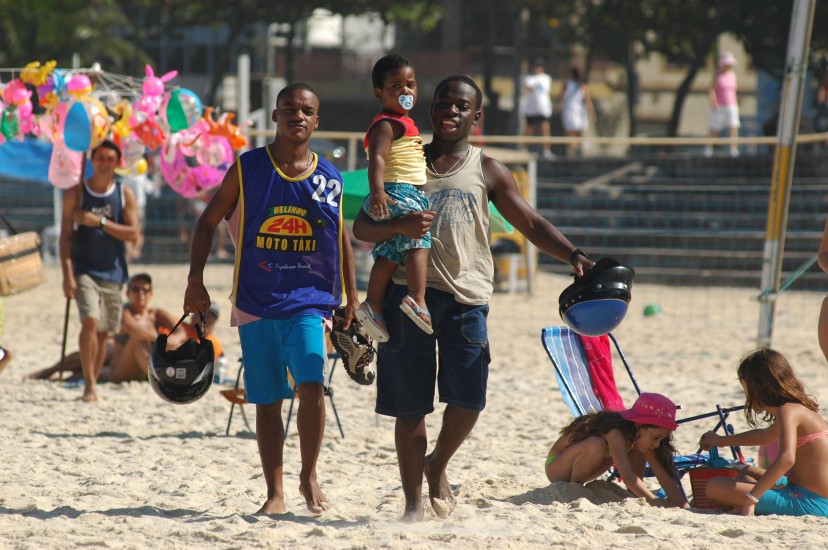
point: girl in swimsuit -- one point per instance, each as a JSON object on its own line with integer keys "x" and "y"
{"x": 630, "y": 439}
{"x": 775, "y": 397}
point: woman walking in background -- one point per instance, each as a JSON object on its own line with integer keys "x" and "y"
{"x": 576, "y": 109}
{"x": 724, "y": 109}
{"x": 538, "y": 107}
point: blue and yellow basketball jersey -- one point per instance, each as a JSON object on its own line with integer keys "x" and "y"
{"x": 289, "y": 260}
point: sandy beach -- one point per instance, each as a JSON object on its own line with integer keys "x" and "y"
{"x": 132, "y": 471}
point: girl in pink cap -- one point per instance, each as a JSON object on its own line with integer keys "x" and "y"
{"x": 630, "y": 439}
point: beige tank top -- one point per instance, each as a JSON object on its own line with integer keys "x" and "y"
{"x": 460, "y": 261}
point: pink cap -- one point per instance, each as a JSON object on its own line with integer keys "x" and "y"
{"x": 653, "y": 409}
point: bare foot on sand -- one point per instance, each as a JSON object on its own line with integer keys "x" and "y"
{"x": 413, "y": 512}
{"x": 314, "y": 499}
{"x": 439, "y": 490}
{"x": 275, "y": 505}
{"x": 89, "y": 395}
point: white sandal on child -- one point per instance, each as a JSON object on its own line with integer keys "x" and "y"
{"x": 410, "y": 308}
{"x": 372, "y": 323}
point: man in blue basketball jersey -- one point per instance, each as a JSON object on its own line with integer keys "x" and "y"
{"x": 282, "y": 206}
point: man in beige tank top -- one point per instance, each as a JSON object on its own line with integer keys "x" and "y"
{"x": 460, "y": 281}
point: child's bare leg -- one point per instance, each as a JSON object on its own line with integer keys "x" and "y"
{"x": 414, "y": 303}
{"x": 416, "y": 262}
{"x": 381, "y": 273}
{"x": 369, "y": 313}
{"x": 728, "y": 491}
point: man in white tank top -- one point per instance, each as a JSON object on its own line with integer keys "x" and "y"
{"x": 461, "y": 179}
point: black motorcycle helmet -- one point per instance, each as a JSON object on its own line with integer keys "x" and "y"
{"x": 182, "y": 375}
{"x": 596, "y": 303}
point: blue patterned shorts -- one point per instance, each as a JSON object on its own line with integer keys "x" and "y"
{"x": 409, "y": 199}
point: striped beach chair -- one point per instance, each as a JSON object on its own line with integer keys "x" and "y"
{"x": 566, "y": 351}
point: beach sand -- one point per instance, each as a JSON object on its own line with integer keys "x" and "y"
{"x": 132, "y": 471}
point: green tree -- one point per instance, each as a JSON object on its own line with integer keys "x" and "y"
{"x": 41, "y": 30}
{"x": 239, "y": 15}
{"x": 685, "y": 32}
{"x": 615, "y": 30}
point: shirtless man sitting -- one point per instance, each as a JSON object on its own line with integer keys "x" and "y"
{"x": 127, "y": 357}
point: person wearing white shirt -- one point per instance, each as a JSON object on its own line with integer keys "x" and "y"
{"x": 538, "y": 106}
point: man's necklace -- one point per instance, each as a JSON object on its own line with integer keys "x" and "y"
{"x": 307, "y": 164}
{"x": 459, "y": 160}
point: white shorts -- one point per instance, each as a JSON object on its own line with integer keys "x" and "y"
{"x": 575, "y": 119}
{"x": 727, "y": 116}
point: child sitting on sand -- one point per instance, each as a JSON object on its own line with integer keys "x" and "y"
{"x": 630, "y": 439}
{"x": 775, "y": 396}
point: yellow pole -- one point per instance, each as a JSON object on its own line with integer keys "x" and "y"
{"x": 799, "y": 37}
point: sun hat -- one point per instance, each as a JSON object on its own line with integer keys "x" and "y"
{"x": 137, "y": 276}
{"x": 726, "y": 59}
{"x": 653, "y": 409}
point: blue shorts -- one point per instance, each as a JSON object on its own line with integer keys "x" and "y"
{"x": 407, "y": 363}
{"x": 270, "y": 348}
{"x": 409, "y": 199}
{"x": 792, "y": 500}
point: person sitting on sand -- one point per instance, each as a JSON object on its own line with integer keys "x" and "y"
{"x": 210, "y": 319}
{"x": 629, "y": 439}
{"x": 796, "y": 482}
{"x": 127, "y": 357}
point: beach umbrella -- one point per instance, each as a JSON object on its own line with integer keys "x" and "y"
{"x": 355, "y": 189}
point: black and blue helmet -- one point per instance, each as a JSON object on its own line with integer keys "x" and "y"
{"x": 596, "y": 303}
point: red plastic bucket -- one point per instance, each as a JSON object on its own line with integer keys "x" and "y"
{"x": 698, "y": 483}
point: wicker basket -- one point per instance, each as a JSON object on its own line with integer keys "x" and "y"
{"x": 698, "y": 483}
{"x": 20, "y": 265}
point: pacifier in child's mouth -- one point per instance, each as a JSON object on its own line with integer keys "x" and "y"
{"x": 406, "y": 102}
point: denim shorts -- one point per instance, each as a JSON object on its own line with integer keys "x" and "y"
{"x": 407, "y": 365}
{"x": 270, "y": 348}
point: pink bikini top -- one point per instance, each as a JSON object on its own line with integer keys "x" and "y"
{"x": 805, "y": 439}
